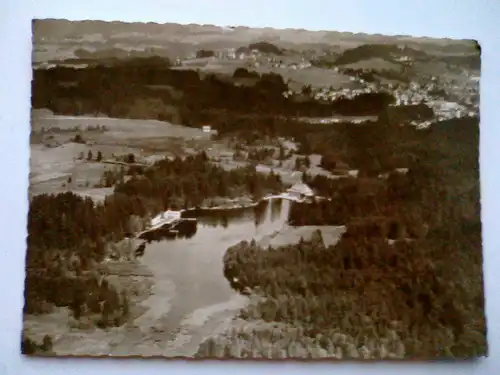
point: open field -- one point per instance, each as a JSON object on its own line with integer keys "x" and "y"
{"x": 316, "y": 77}
{"x": 292, "y": 235}
{"x": 51, "y": 167}
{"x": 376, "y": 64}
{"x": 148, "y": 140}
{"x": 118, "y": 130}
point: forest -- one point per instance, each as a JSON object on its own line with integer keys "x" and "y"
{"x": 177, "y": 184}
{"x": 68, "y": 234}
{"x": 426, "y": 288}
{"x": 150, "y": 89}
{"x": 66, "y": 239}
{"x": 385, "y": 51}
{"x": 428, "y": 284}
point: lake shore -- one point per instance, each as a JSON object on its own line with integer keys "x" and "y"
{"x": 150, "y": 330}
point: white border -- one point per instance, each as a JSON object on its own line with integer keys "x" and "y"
{"x": 465, "y": 19}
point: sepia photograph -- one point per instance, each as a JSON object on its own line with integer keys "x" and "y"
{"x": 201, "y": 191}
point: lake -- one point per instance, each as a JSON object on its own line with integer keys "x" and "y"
{"x": 189, "y": 271}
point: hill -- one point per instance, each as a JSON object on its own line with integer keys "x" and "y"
{"x": 265, "y": 47}
{"x": 382, "y": 51}
{"x": 374, "y": 64}
{"x": 120, "y": 85}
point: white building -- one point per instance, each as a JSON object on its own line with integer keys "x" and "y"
{"x": 231, "y": 53}
{"x": 402, "y": 170}
{"x": 166, "y": 217}
{"x": 206, "y": 128}
{"x": 300, "y": 191}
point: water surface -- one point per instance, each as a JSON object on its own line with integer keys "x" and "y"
{"x": 189, "y": 271}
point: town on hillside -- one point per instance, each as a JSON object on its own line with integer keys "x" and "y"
{"x": 199, "y": 191}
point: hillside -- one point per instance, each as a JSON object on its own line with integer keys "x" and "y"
{"x": 122, "y": 86}
{"x": 374, "y": 64}
{"x": 60, "y": 37}
{"x": 374, "y": 51}
{"x": 265, "y": 47}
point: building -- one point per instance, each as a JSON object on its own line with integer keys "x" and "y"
{"x": 206, "y": 128}
{"x": 166, "y": 217}
{"x": 300, "y": 191}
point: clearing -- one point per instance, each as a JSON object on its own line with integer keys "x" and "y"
{"x": 291, "y": 235}
{"x": 59, "y": 164}
{"x": 376, "y": 64}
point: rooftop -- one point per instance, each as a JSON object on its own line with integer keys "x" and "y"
{"x": 301, "y": 188}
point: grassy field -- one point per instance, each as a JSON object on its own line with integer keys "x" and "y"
{"x": 374, "y": 64}
{"x": 65, "y": 166}
{"x": 292, "y": 235}
{"x": 316, "y": 77}
{"x": 56, "y": 169}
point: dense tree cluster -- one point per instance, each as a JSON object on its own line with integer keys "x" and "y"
{"x": 187, "y": 183}
{"x": 152, "y": 90}
{"x": 67, "y": 234}
{"x": 397, "y": 197}
{"x": 362, "y": 278}
{"x": 66, "y": 238}
{"x": 265, "y": 47}
{"x": 204, "y": 53}
{"x": 428, "y": 283}
{"x": 245, "y": 73}
{"x": 30, "y": 347}
{"x": 385, "y": 51}
{"x": 405, "y": 113}
{"x": 368, "y": 76}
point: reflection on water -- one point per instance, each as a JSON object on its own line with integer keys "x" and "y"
{"x": 183, "y": 229}
{"x": 224, "y": 217}
{"x": 265, "y": 215}
{"x": 265, "y": 212}
{"x": 275, "y": 209}
{"x": 192, "y": 259}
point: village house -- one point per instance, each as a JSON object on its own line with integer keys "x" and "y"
{"x": 301, "y": 191}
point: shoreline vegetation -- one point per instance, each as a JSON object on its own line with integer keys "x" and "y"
{"x": 363, "y": 297}
{"x": 88, "y": 232}
{"x": 389, "y": 288}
